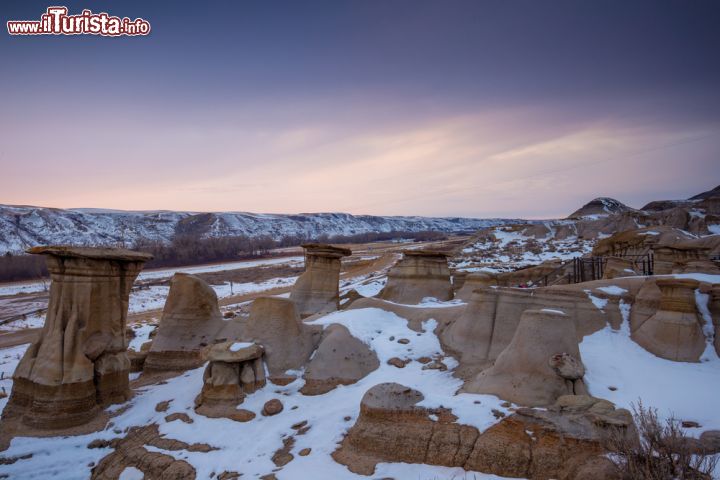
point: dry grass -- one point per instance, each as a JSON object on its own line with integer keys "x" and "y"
{"x": 661, "y": 451}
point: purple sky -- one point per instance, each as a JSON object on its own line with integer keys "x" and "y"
{"x": 453, "y": 108}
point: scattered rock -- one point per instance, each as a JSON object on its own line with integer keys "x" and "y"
{"x": 99, "y": 443}
{"x": 304, "y": 452}
{"x": 396, "y": 362}
{"x": 272, "y": 407}
{"x": 163, "y": 406}
{"x": 283, "y": 456}
{"x": 403, "y": 341}
{"x": 183, "y": 417}
{"x": 690, "y": 424}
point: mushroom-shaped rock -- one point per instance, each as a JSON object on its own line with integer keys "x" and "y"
{"x": 317, "y": 289}
{"x": 234, "y": 369}
{"x": 189, "y": 324}
{"x": 288, "y": 342}
{"x": 340, "y": 359}
{"x": 530, "y": 371}
{"x": 419, "y": 274}
{"x": 79, "y": 362}
{"x": 674, "y": 332}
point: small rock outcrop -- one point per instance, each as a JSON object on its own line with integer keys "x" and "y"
{"x": 190, "y": 321}
{"x": 617, "y": 267}
{"x": 341, "y": 359}
{"x": 541, "y": 363}
{"x": 275, "y": 324}
{"x": 473, "y": 281}
{"x": 80, "y": 363}
{"x": 561, "y": 442}
{"x": 600, "y": 206}
{"x": 419, "y": 274}
{"x": 234, "y": 370}
{"x": 317, "y": 289}
{"x": 674, "y": 330}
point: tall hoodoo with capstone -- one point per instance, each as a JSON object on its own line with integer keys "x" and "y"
{"x": 80, "y": 363}
{"x": 674, "y": 331}
{"x": 317, "y": 289}
{"x": 420, "y": 274}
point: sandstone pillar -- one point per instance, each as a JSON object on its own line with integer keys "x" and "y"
{"x": 80, "y": 363}
{"x": 674, "y": 332}
{"x": 317, "y": 289}
{"x": 420, "y": 274}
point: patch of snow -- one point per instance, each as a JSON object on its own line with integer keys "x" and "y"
{"x": 9, "y": 358}
{"x": 552, "y": 310}
{"x": 714, "y": 229}
{"x": 612, "y": 290}
{"x": 142, "y": 335}
{"x": 600, "y": 303}
{"x": 237, "y": 346}
{"x": 689, "y": 391}
{"x": 701, "y": 300}
{"x": 131, "y": 473}
{"x": 372, "y": 288}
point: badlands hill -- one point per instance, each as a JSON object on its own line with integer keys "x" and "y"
{"x": 600, "y": 206}
{"x": 22, "y": 227}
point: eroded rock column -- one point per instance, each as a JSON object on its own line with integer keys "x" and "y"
{"x": 420, "y": 274}
{"x": 80, "y": 363}
{"x": 674, "y": 331}
{"x": 317, "y": 289}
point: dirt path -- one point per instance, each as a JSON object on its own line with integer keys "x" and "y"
{"x": 12, "y": 339}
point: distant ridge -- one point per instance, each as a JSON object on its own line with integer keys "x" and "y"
{"x": 24, "y": 226}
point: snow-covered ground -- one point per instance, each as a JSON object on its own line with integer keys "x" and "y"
{"x": 687, "y": 390}
{"x": 248, "y": 447}
{"x": 221, "y": 267}
{"x": 513, "y": 249}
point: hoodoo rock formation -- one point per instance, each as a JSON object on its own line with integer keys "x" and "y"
{"x": 317, "y": 289}
{"x": 275, "y": 324}
{"x": 190, "y": 321}
{"x": 488, "y": 323}
{"x": 80, "y": 363}
{"x": 541, "y": 363}
{"x": 419, "y": 274}
{"x": 235, "y": 369}
{"x": 674, "y": 330}
{"x": 561, "y": 442}
{"x": 341, "y": 359}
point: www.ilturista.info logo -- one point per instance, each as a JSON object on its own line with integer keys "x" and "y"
{"x": 56, "y": 21}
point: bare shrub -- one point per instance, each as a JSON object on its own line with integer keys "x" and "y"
{"x": 660, "y": 451}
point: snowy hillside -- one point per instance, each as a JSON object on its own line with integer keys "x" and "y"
{"x": 24, "y": 226}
